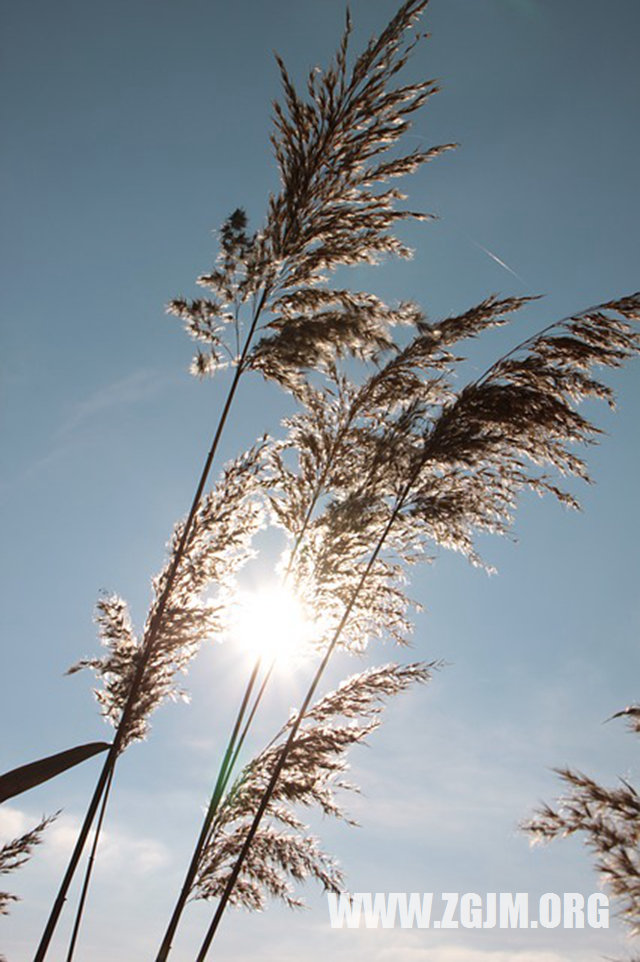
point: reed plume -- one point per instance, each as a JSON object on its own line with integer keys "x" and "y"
{"x": 332, "y": 153}
{"x": 467, "y": 454}
{"x": 454, "y": 469}
{"x": 608, "y": 821}
{"x": 283, "y": 853}
{"x": 212, "y": 545}
{"x": 331, "y": 149}
{"x": 15, "y": 853}
{"x": 219, "y": 544}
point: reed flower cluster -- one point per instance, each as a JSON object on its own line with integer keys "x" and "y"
{"x": 312, "y": 777}
{"x": 608, "y": 821}
{"x": 15, "y": 853}
{"x": 219, "y": 544}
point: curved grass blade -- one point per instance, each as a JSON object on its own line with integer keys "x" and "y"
{"x": 21, "y": 779}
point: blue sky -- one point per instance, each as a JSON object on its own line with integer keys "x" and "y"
{"x": 131, "y": 131}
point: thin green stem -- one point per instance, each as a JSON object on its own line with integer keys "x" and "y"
{"x": 252, "y": 714}
{"x": 241, "y": 740}
{"x": 218, "y": 791}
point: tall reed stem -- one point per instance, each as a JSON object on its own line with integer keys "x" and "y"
{"x": 233, "y": 750}
{"x": 218, "y": 791}
{"x": 147, "y": 650}
{"x": 224, "y": 899}
{"x": 268, "y": 793}
{"x": 89, "y": 871}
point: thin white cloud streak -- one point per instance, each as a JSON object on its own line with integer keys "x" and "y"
{"x": 135, "y": 388}
{"x": 139, "y": 386}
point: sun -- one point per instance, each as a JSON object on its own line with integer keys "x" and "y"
{"x": 271, "y": 623}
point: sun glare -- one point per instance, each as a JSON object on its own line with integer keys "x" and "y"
{"x": 271, "y": 622}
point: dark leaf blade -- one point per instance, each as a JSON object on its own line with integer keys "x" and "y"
{"x": 21, "y": 779}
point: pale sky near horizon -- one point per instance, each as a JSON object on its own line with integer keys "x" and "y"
{"x": 130, "y": 131}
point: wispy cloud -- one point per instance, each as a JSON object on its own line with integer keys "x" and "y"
{"x": 469, "y": 778}
{"x": 458, "y": 953}
{"x": 136, "y": 387}
{"x": 119, "y": 848}
{"x": 13, "y": 822}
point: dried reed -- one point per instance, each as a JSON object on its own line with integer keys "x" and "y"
{"x": 454, "y": 466}
{"x": 369, "y": 478}
{"x": 325, "y": 215}
{"x": 15, "y": 853}
{"x": 608, "y": 819}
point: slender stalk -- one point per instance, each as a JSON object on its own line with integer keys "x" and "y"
{"x": 229, "y": 761}
{"x": 61, "y": 898}
{"x": 245, "y": 731}
{"x": 88, "y": 873}
{"x": 299, "y": 718}
{"x": 265, "y": 682}
{"x": 218, "y": 791}
{"x": 147, "y": 649}
{"x": 266, "y": 797}
{"x": 233, "y": 750}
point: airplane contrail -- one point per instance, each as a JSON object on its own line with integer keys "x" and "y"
{"x": 495, "y": 258}
{"x": 472, "y": 240}
{"x": 485, "y": 250}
